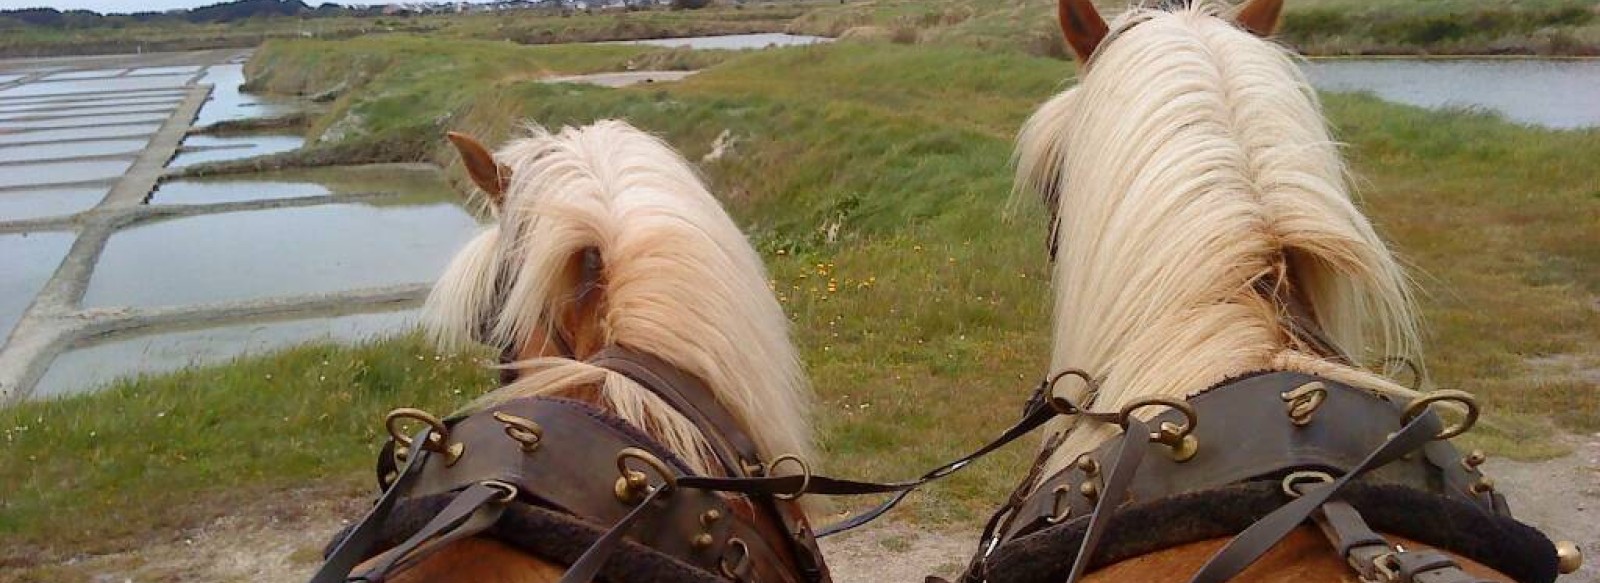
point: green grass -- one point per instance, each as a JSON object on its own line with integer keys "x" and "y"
{"x": 1314, "y": 27}
{"x": 873, "y": 179}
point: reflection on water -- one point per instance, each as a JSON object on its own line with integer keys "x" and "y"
{"x": 412, "y": 185}
{"x": 732, "y": 41}
{"x": 1557, "y": 94}
{"x": 278, "y": 252}
{"x": 95, "y": 86}
{"x": 61, "y": 172}
{"x": 178, "y": 70}
{"x": 85, "y": 121}
{"x": 70, "y": 149}
{"x": 217, "y": 148}
{"x": 228, "y": 103}
{"x": 17, "y": 205}
{"x": 78, "y": 134}
{"x": 91, "y": 367}
{"x": 59, "y": 112}
{"x": 27, "y": 260}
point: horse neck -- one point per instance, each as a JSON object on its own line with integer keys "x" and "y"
{"x": 1218, "y": 174}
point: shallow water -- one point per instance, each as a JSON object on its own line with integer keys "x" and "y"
{"x": 90, "y": 107}
{"x": 84, "y": 74}
{"x": 217, "y": 149}
{"x": 1558, "y": 94}
{"x": 228, "y": 103}
{"x": 97, "y": 99}
{"x": 90, "y": 367}
{"x": 7, "y": 78}
{"x": 40, "y": 89}
{"x": 70, "y": 150}
{"x": 78, "y": 134}
{"x": 17, "y": 205}
{"x": 27, "y": 260}
{"x": 277, "y": 252}
{"x": 61, "y": 172}
{"x": 732, "y": 41}
{"x": 69, "y": 112}
{"x": 411, "y": 185}
{"x": 176, "y": 70}
{"x": 86, "y": 121}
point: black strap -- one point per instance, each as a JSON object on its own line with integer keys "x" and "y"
{"x": 1116, "y": 488}
{"x": 823, "y": 485}
{"x": 471, "y": 512}
{"x": 1249, "y": 545}
{"x": 350, "y": 551}
{"x": 589, "y": 564}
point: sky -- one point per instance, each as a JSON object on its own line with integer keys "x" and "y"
{"x": 108, "y": 6}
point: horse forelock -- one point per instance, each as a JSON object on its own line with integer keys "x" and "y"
{"x": 678, "y": 281}
{"x": 1190, "y": 162}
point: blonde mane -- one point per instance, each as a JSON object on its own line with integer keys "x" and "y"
{"x": 680, "y": 282}
{"x": 1192, "y": 167}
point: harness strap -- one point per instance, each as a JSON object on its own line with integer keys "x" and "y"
{"x": 470, "y": 513}
{"x": 1129, "y": 454}
{"x": 690, "y": 397}
{"x": 350, "y": 551}
{"x": 1246, "y": 548}
{"x": 588, "y": 566}
{"x": 1373, "y": 559}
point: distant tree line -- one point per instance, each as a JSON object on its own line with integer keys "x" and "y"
{"x": 222, "y": 12}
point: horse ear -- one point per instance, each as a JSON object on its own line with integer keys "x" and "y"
{"x": 489, "y": 175}
{"x": 1082, "y": 26}
{"x": 1260, "y": 17}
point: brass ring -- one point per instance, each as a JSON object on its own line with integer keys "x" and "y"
{"x": 634, "y": 485}
{"x": 438, "y": 433}
{"x": 1419, "y": 405}
{"x": 805, "y": 472}
{"x": 1064, "y": 406}
{"x": 527, "y": 433}
{"x": 1183, "y": 407}
{"x": 508, "y": 492}
{"x": 738, "y": 566}
{"x": 1302, "y": 402}
{"x": 1059, "y": 509}
{"x": 1304, "y": 477}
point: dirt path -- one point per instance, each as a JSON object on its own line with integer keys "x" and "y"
{"x": 281, "y": 541}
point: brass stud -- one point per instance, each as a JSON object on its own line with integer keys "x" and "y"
{"x": 1089, "y": 490}
{"x": 1089, "y": 466}
{"x": 1484, "y": 485}
{"x": 632, "y": 487}
{"x": 710, "y": 517}
{"x": 701, "y": 541}
{"x": 1473, "y": 460}
{"x": 1568, "y": 557}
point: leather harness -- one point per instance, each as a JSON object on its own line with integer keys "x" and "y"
{"x": 1333, "y": 439}
{"x": 541, "y": 456}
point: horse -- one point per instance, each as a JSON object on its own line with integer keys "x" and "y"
{"x": 641, "y": 347}
{"x": 1216, "y": 291}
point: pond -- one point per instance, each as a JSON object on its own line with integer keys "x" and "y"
{"x": 278, "y": 252}
{"x": 99, "y": 362}
{"x": 1560, "y": 94}
{"x": 27, "y": 260}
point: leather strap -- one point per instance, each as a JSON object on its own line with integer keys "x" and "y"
{"x": 1116, "y": 489}
{"x": 355, "y": 546}
{"x": 472, "y": 512}
{"x": 1373, "y": 559}
{"x": 587, "y": 566}
{"x": 690, "y": 397}
{"x": 1246, "y": 548}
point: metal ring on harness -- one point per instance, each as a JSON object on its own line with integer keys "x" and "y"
{"x": 805, "y": 473}
{"x": 634, "y": 485}
{"x": 1064, "y": 406}
{"x": 1179, "y": 439}
{"x": 436, "y": 442}
{"x": 1420, "y": 405}
{"x": 1294, "y": 479}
